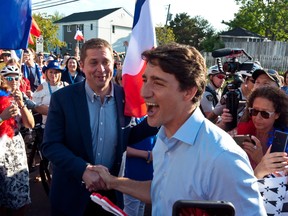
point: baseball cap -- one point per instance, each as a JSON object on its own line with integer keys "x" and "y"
{"x": 52, "y": 65}
{"x": 272, "y": 74}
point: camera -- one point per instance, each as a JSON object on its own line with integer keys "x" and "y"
{"x": 232, "y": 65}
{"x": 231, "y": 93}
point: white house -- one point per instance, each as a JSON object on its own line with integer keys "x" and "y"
{"x": 113, "y": 25}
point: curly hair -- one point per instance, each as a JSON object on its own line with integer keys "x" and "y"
{"x": 184, "y": 62}
{"x": 279, "y": 100}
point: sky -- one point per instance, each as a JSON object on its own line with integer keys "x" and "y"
{"x": 211, "y": 10}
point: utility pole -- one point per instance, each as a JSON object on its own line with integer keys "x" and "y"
{"x": 168, "y": 15}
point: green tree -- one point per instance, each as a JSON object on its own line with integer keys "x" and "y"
{"x": 211, "y": 42}
{"x": 195, "y": 31}
{"x": 48, "y": 31}
{"x": 164, "y": 35}
{"x": 267, "y": 18}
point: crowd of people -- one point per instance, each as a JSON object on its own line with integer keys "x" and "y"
{"x": 182, "y": 149}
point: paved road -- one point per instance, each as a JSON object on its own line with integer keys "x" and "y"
{"x": 40, "y": 202}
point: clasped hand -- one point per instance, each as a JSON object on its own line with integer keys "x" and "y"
{"x": 96, "y": 177}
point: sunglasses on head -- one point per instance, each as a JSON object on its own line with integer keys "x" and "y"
{"x": 220, "y": 76}
{"x": 264, "y": 114}
{"x": 12, "y": 78}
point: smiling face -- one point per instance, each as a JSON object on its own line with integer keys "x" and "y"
{"x": 263, "y": 80}
{"x": 72, "y": 65}
{"x": 166, "y": 104}
{"x": 260, "y": 123}
{"x": 53, "y": 76}
{"x": 98, "y": 68}
{"x": 12, "y": 80}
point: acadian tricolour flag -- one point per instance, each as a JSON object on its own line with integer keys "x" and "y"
{"x": 78, "y": 36}
{"x": 16, "y": 18}
{"x": 142, "y": 38}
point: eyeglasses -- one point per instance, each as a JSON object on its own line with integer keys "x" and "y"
{"x": 220, "y": 76}
{"x": 264, "y": 114}
{"x": 12, "y": 78}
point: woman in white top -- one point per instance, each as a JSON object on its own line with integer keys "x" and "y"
{"x": 52, "y": 83}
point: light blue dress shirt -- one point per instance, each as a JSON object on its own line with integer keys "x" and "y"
{"x": 103, "y": 124}
{"x": 202, "y": 162}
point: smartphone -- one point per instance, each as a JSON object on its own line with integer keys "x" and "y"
{"x": 279, "y": 141}
{"x": 239, "y": 139}
{"x": 202, "y": 208}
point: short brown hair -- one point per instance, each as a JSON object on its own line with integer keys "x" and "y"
{"x": 92, "y": 44}
{"x": 184, "y": 62}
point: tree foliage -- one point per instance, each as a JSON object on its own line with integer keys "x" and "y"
{"x": 267, "y": 18}
{"x": 195, "y": 31}
{"x": 48, "y": 30}
{"x": 164, "y": 35}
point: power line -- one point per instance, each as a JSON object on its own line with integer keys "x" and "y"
{"x": 35, "y": 3}
{"x": 46, "y": 5}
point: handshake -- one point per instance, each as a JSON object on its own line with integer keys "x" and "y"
{"x": 97, "y": 177}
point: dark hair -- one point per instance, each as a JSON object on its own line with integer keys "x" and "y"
{"x": 280, "y": 103}
{"x": 92, "y": 44}
{"x": 285, "y": 75}
{"x": 74, "y": 58}
{"x": 184, "y": 62}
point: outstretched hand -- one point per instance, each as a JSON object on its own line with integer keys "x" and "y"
{"x": 92, "y": 179}
{"x": 103, "y": 172}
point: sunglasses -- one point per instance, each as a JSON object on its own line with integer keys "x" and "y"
{"x": 12, "y": 78}
{"x": 264, "y": 114}
{"x": 220, "y": 76}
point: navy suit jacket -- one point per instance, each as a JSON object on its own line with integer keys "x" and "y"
{"x": 68, "y": 145}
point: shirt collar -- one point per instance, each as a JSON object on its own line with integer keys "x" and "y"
{"x": 91, "y": 94}
{"x": 185, "y": 133}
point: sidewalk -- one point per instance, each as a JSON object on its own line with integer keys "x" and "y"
{"x": 40, "y": 202}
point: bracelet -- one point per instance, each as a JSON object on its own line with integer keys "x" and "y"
{"x": 148, "y": 160}
{"x": 22, "y": 107}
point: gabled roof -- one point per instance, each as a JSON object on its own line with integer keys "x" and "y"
{"x": 240, "y": 32}
{"x": 89, "y": 15}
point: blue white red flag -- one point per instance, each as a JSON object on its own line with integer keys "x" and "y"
{"x": 16, "y": 18}
{"x": 142, "y": 38}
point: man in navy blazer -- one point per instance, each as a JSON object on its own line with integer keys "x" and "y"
{"x": 85, "y": 127}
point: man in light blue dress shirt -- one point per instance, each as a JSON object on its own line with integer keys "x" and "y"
{"x": 192, "y": 159}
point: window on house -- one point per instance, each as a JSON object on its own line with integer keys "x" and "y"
{"x": 91, "y": 27}
{"x": 68, "y": 28}
{"x": 113, "y": 29}
{"x": 69, "y": 46}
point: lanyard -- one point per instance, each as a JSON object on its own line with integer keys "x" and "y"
{"x": 71, "y": 79}
{"x": 50, "y": 90}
